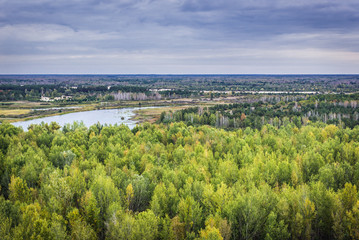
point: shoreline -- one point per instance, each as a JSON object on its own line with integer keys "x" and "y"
{"x": 36, "y": 110}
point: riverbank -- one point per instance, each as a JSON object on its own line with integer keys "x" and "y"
{"x": 24, "y": 110}
{"x": 88, "y": 118}
{"x": 16, "y": 111}
{"x": 151, "y": 115}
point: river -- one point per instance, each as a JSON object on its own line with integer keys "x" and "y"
{"x": 106, "y": 116}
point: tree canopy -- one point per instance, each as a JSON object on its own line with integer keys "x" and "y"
{"x": 179, "y": 182}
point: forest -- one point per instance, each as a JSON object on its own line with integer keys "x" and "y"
{"x": 177, "y": 181}
{"x": 338, "y": 109}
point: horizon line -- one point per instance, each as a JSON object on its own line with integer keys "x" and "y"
{"x": 175, "y": 74}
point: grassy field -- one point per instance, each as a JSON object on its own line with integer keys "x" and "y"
{"x": 25, "y": 104}
{"x": 13, "y": 112}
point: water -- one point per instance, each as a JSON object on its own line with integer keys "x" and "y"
{"x": 53, "y": 108}
{"x": 107, "y": 116}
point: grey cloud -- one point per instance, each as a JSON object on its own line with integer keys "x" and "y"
{"x": 178, "y": 28}
{"x": 253, "y": 17}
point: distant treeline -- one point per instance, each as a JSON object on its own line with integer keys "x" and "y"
{"x": 321, "y": 83}
{"x": 60, "y": 88}
{"x": 88, "y": 93}
{"x": 34, "y": 92}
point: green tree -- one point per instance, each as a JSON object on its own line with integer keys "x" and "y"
{"x": 19, "y": 190}
{"x": 33, "y": 223}
{"x": 146, "y": 226}
{"x": 190, "y": 214}
{"x": 249, "y": 211}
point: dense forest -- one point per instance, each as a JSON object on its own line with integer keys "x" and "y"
{"x": 341, "y": 110}
{"x": 179, "y": 182}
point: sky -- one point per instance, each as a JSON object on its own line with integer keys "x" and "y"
{"x": 179, "y": 36}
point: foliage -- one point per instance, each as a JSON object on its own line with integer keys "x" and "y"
{"x": 179, "y": 182}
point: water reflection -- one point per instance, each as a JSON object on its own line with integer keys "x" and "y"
{"x": 106, "y": 116}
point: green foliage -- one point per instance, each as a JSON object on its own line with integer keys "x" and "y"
{"x": 33, "y": 223}
{"x": 249, "y": 212}
{"x": 179, "y": 182}
{"x": 19, "y": 190}
{"x": 190, "y": 214}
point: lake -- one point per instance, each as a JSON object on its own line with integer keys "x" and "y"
{"x": 106, "y": 116}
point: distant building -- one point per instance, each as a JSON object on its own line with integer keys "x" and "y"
{"x": 63, "y": 97}
{"x": 66, "y": 97}
{"x": 46, "y": 99}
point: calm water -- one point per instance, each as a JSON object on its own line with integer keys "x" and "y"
{"x": 107, "y": 116}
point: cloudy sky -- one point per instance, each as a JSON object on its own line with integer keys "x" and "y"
{"x": 179, "y": 36}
